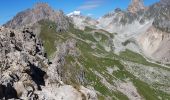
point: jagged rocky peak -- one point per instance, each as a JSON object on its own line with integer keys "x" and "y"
{"x": 41, "y": 5}
{"x": 165, "y": 2}
{"x": 41, "y": 11}
{"x": 135, "y": 6}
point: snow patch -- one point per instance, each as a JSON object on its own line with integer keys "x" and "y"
{"x": 76, "y": 13}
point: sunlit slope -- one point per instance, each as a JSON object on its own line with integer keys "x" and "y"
{"x": 125, "y": 76}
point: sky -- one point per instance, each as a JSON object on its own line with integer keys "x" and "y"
{"x": 93, "y": 8}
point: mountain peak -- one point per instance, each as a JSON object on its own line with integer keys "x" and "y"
{"x": 165, "y": 2}
{"x": 41, "y": 5}
{"x": 135, "y": 6}
{"x": 41, "y": 11}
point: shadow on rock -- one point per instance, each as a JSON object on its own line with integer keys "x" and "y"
{"x": 8, "y": 92}
{"x": 37, "y": 75}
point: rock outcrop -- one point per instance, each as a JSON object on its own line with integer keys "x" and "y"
{"x": 22, "y": 62}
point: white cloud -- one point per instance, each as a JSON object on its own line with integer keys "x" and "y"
{"x": 89, "y": 14}
{"x": 87, "y": 7}
{"x": 90, "y": 5}
{"x": 74, "y": 13}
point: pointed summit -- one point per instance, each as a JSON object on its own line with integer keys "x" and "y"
{"x": 135, "y": 6}
{"x": 41, "y": 5}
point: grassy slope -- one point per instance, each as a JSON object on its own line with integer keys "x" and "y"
{"x": 92, "y": 63}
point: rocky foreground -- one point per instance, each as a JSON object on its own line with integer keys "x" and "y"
{"x": 27, "y": 74}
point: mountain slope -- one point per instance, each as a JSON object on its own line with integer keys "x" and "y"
{"x": 89, "y": 60}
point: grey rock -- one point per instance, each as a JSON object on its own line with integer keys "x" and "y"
{"x": 18, "y": 62}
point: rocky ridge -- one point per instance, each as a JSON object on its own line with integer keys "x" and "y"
{"x": 26, "y": 73}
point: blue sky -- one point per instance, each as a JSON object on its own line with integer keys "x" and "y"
{"x": 94, "y": 8}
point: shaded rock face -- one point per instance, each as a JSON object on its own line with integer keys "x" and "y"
{"x": 135, "y": 6}
{"x": 8, "y": 92}
{"x": 40, "y": 11}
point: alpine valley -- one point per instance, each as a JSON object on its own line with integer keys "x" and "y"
{"x": 124, "y": 55}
